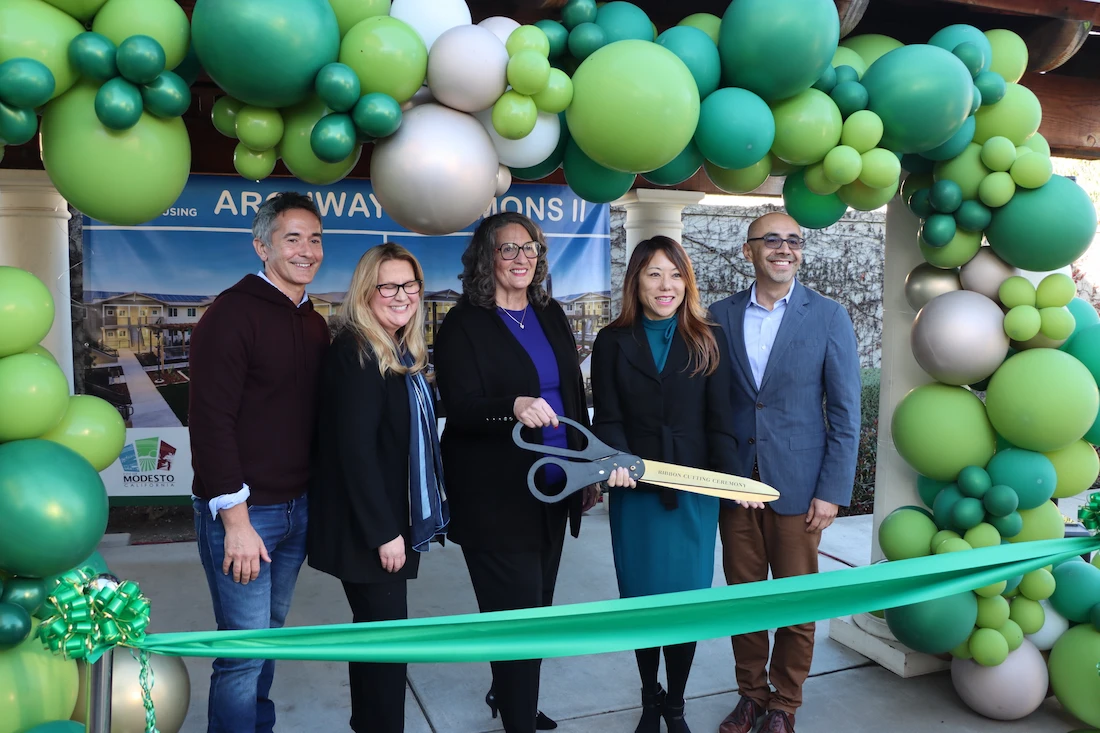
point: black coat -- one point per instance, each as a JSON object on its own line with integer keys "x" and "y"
{"x": 672, "y": 416}
{"x": 359, "y": 490}
{"x": 481, "y": 369}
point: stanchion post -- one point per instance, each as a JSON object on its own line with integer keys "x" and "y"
{"x": 99, "y": 680}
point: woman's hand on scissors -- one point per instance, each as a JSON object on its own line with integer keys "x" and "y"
{"x": 621, "y": 477}
{"x": 535, "y": 412}
{"x": 750, "y": 504}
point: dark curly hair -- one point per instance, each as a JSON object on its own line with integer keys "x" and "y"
{"x": 479, "y": 283}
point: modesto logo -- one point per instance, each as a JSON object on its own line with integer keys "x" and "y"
{"x": 148, "y": 460}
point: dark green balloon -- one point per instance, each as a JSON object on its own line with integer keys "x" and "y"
{"x": 30, "y": 593}
{"x": 17, "y": 124}
{"x": 140, "y": 59}
{"x": 338, "y": 85}
{"x": 682, "y": 167}
{"x": 981, "y": 386}
{"x": 936, "y": 626}
{"x": 916, "y": 163}
{"x": 1001, "y": 500}
{"x": 556, "y": 33}
{"x": 576, "y": 12}
{"x": 118, "y": 104}
{"x": 376, "y": 115}
{"x": 971, "y": 56}
{"x": 967, "y": 513}
{"x": 827, "y": 80}
{"x": 333, "y": 138}
{"x": 1008, "y": 526}
{"x": 624, "y": 21}
{"x": 920, "y": 204}
{"x": 977, "y": 104}
{"x": 552, "y": 162}
{"x": 938, "y": 230}
{"x": 94, "y": 55}
{"x": 168, "y": 96}
{"x": 850, "y": 97}
{"x": 189, "y": 69}
{"x": 992, "y": 87}
{"x": 945, "y": 196}
{"x": 846, "y": 73}
{"x": 1045, "y": 228}
{"x": 590, "y": 180}
{"x": 956, "y": 145}
{"x": 586, "y": 39}
{"x": 808, "y": 208}
{"x": 943, "y": 506}
{"x": 15, "y": 625}
{"x": 973, "y": 216}
{"x": 25, "y": 82}
{"x": 929, "y": 488}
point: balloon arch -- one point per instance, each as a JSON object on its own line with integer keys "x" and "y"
{"x": 456, "y": 111}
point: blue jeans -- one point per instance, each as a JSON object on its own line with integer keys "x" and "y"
{"x": 239, "y": 688}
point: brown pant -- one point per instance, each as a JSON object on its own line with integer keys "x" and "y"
{"x": 753, "y": 540}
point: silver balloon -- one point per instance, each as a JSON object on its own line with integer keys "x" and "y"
{"x": 1038, "y": 341}
{"x": 985, "y": 273}
{"x": 504, "y": 180}
{"x": 423, "y": 96}
{"x": 438, "y": 173}
{"x": 959, "y": 337}
{"x": 171, "y": 693}
{"x": 926, "y": 282}
{"x": 468, "y": 68}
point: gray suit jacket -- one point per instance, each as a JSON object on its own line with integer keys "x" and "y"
{"x": 801, "y": 449}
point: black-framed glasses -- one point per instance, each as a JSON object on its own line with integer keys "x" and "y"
{"x": 511, "y": 250}
{"x": 389, "y": 290}
{"x": 774, "y": 241}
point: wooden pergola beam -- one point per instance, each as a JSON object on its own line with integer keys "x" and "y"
{"x": 1062, "y": 9}
{"x": 1071, "y": 113}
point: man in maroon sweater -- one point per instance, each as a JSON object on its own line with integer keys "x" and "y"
{"x": 255, "y": 356}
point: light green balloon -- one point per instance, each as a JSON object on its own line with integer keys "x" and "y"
{"x": 528, "y": 38}
{"x": 940, "y": 430}
{"x": 847, "y": 57}
{"x": 906, "y": 533}
{"x": 350, "y": 12}
{"x": 870, "y": 46}
{"x": 817, "y": 180}
{"x": 388, "y": 55}
{"x": 163, "y": 20}
{"x": 255, "y": 165}
{"x": 1009, "y": 54}
{"x": 841, "y": 165}
{"x": 119, "y": 178}
{"x": 998, "y": 153}
{"x": 956, "y": 253}
{"x": 40, "y": 686}
{"x": 259, "y": 128}
{"x": 557, "y": 94}
{"x": 34, "y": 392}
{"x": 862, "y": 131}
{"x": 82, "y": 10}
{"x": 984, "y": 535}
{"x": 1055, "y": 290}
{"x": 1016, "y": 116}
{"x": 706, "y": 22}
{"x": 881, "y": 168}
{"x": 1016, "y": 290}
{"x": 992, "y": 612}
{"x": 297, "y": 152}
{"x": 1077, "y": 467}
{"x": 1032, "y": 171}
{"x": 862, "y": 197}
{"x": 1038, "y": 585}
{"x": 807, "y": 127}
{"x": 740, "y": 180}
{"x": 1038, "y": 143}
{"x": 967, "y": 170}
{"x": 1044, "y": 522}
{"x": 91, "y": 427}
{"x": 42, "y": 351}
{"x": 1073, "y": 674}
{"x": 528, "y": 71}
{"x": 996, "y": 189}
{"x": 1027, "y": 614}
{"x": 224, "y": 115}
{"x": 33, "y": 29}
{"x": 989, "y": 647}
{"x": 27, "y": 308}
{"x": 1022, "y": 323}
{"x": 514, "y": 115}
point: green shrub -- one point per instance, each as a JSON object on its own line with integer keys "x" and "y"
{"x": 863, "y": 492}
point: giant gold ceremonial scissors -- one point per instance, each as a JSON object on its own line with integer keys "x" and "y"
{"x": 597, "y": 460}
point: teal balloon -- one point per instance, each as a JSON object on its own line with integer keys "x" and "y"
{"x": 265, "y": 53}
{"x": 850, "y": 97}
{"x": 15, "y": 625}
{"x": 736, "y": 128}
{"x": 1076, "y": 591}
{"x": 929, "y": 488}
{"x": 1009, "y": 526}
{"x": 845, "y": 73}
{"x": 586, "y": 39}
{"x": 944, "y": 505}
{"x": 30, "y": 593}
{"x": 118, "y": 104}
{"x": 592, "y": 181}
{"x": 956, "y": 145}
{"x": 333, "y": 138}
{"x": 923, "y": 95}
{"x": 826, "y": 81}
{"x": 1084, "y": 315}
{"x": 938, "y": 230}
{"x": 952, "y": 36}
{"x": 808, "y": 208}
{"x": 25, "y": 82}
{"x": 920, "y": 203}
{"x": 977, "y": 103}
{"x": 553, "y": 161}
{"x": 1030, "y": 474}
{"x": 971, "y": 56}
{"x": 140, "y": 59}
{"x": 699, "y": 54}
{"x": 338, "y": 85}
{"x": 936, "y": 626}
{"x": 167, "y": 96}
{"x": 66, "y": 518}
{"x": 94, "y": 55}
{"x": 973, "y": 216}
{"x": 945, "y": 196}
{"x": 777, "y": 50}
{"x": 377, "y": 115}
{"x": 992, "y": 87}
{"x": 58, "y": 726}
{"x": 623, "y": 21}
{"x": 1045, "y": 228}
{"x": 189, "y": 69}
{"x": 17, "y": 124}
{"x": 576, "y": 12}
{"x": 917, "y": 163}
{"x": 556, "y": 34}
{"x": 683, "y": 166}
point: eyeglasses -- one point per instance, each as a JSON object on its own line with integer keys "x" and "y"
{"x": 774, "y": 241}
{"x": 510, "y": 250}
{"x": 389, "y": 290}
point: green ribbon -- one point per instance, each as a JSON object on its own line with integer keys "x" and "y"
{"x": 635, "y": 623}
{"x": 1089, "y": 513}
{"x": 88, "y": 619}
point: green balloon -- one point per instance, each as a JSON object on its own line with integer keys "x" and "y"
{"x": 338, "y": 86}
{"x": 34, "y": 392}
{"x": 190, "y": 68}
{"x": 967, "y": 170}
{"x": 32, "y": 29}
{"x": 706, "y": 22}
{"x": 846, "y": 73}
{"x": 943, "y": 508}
{"x": 974, "y": 481}
{"x": 992, "y": 613}
{"x": 850, "y": 97}
{"x": 956, "y": 253}
{"x": 1084, "y": 315}
{"x": 906, "y": 533}
{"x": 25, "y": 83}
{"x": 967, "y": 513}
{"x": 929, "y": 488}
{"x": 585, "y": 39}
{"x": 255, "y": 165}
{"x": 862, "y": 197}
{"x": 827, "y": 81}
{"x": 388, "y": 55}
{"x": 576, "y": 12}
{"x": 955, "y": 146}
{"x": 94, "y": 55}
{"x": 556, "y": 34}
{"x": 1044, "y": 229}
{"x": 288, "y": 42}
{"x": 66, "y": 520}
{"x": 940, "y": 430}
{"x": 683, "y": 166}
{"x": 333, "y": 138}
{"x": 82, "y": 10}
{"x": 871, "y": 46}
{"x": 973, "y": 216}
{"x": 40, "y": 350}
{"x": 970, "y": 55}
{"x": 938, "y": 230}
{"x": 736, "y": 128}
{"x": 846, "y": 57}
{"x": 118, "y": 104}
{"x": 350, "y": 12}
{"x": 1077, "y": 590}
{"x": 162, "y": 20}
{"x": 936, "y": 626}
{"x": 528, "y": 72}
{"x": 739, "y": 180}
{"x": 39, "y": 686}
{"x": 557, "y": 94}
{"x": 881, "y": 169}
{"x": 991, "y": 86}
{"x": 1073, "y": 674}
{"x": 140, "y": 59}
{"x": 807, "y": 127}
{"x": 28, "y": 310}
{"x": 17, "y": 125}
{"x": 952, "y": 36}
{"x": 92, "y": 428}
{"x": 167, "y": 96}
{"x": 923, "y": 95}
{"x": 1009, "y": 54}
{"x": 224, "y": 115}
{"x": 528, "y": 38}
{"x": 916, "y": 163}
{"x": 945, "y": 196}
{"x": 1001, "y": 500}
{"x": 1016, "y": 116}
{"x": 259, "y": 128}
{"x": 514, "y": 115}
{"x": 297, "y": 151}
{"x": 15, "y": 625}
{"x": 119, "y": 179}
{"x": 920, "y": 203}
{"x": 635, "y": 106}
{"x": 751, "y": 30}
{"x": 377, "y": 115}
{"x": 592, "y": 181}
{"x": 623, "y": 21}
{"x": 702, "y": 59}
{"x": 27, "y": 593}
{"x": 808, "y": 208}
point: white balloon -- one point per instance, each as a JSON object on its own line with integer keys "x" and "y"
{"x": 500, "y": 26}
{"x": 468, "y": 68}
{"x": 431, "y": 18}
{"x": 438, "y": 173}
{"x": 1054, "y": 625}
{"x": 527, "y": 151}
{"x": 504, "y": 180}
{"x": 985, "y": 273}
{"x": 1009, "y": 691}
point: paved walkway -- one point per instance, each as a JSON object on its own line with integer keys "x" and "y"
{"x": 150, "y": 409}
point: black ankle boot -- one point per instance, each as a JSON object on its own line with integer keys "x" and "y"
{"x": 542, "y": 720}
{"x": 653, "y": 706}
{"x": 674, "y": 718}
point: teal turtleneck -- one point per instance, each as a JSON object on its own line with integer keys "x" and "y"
{"x": 659, "y": 334}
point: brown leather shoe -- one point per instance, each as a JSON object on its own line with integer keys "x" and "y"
{"x": 777, "y": 721}
{"x": 743, "y": 718}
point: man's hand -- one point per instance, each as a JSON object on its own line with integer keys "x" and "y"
{"x": 591, "y": 496}
{"x": 535, "y": 412}
{"x": 820, "y": 515}
{"x": 392, "y": 554}
{"x": 243, "y": 547}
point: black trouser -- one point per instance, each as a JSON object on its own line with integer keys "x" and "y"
{"x": 505, "y": 581}
{"x": 377, "y": 690}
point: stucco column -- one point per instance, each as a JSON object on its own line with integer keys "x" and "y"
{"x": 651, "y": 213}
{"x": 34, "y": 236}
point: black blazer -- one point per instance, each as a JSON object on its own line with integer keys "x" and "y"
{"x": 481, "y": 369}
{"x": 671, "y": 416}
{"x": 359, "y": 489}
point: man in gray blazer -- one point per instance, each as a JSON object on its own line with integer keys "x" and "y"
{"x": 795, "y": 399}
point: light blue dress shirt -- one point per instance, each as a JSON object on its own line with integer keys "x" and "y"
{"x": 761, "y": 326}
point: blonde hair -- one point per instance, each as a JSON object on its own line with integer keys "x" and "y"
{"x": 356, "y": 316}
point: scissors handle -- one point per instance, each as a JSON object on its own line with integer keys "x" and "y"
{"x": 579, "y": 474}
{"x": 593, "y": 450}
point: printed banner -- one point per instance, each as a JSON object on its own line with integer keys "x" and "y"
{"x": 146, "y": 287}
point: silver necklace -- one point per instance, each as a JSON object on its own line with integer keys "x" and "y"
{"x": 517, "y": 322}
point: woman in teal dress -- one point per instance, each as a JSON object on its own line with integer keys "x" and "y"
{"x": 662, "y": 391}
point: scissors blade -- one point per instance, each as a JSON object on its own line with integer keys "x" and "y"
{"x": 710, "y": 483}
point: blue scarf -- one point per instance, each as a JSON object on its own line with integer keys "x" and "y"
{"x": 428, "y": 513}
